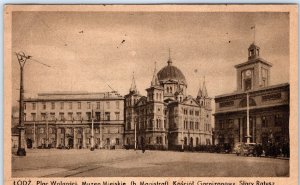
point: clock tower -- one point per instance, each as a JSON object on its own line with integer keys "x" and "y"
{"x": 255, "y": 73}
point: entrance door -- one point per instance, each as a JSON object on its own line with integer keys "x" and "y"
{"x": 29, "y": 143}
{"x": 70, "y": 142}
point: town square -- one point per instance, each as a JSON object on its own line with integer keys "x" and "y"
{"x": 130, "y": 163}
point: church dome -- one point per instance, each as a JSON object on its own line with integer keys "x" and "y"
{"x": 171, "y": 72}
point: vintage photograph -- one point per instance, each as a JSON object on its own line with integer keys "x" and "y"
{"x": 139, "y": 93}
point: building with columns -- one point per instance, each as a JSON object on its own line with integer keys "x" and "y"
{"x": 64, "y": 119}
{"x": 268, "y": 106}
{"x": 167, "y": 118}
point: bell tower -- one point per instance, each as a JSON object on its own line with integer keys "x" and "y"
{"x": 255, "y": 73}
{"x": 253, "y": 51}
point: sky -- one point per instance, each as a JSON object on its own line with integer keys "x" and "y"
{"x": 88, "y": 51}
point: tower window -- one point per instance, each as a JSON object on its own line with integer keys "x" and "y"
{"x": 248, "y": 84}
{"x": 251, "y": 52}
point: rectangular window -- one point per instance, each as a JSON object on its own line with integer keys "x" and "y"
{"x": 24, "y": 116}
{"x": 107, "y": 116}
{"x": 24, "y": 106}
{"x": 33, "y": 106}
{"x": 108, "y": 105}
{"x": 61, "y": 116}
{"x": 52, "y": 105}
{"x": 78, "y": 105}
{"x": 88, "y": 115}
{"x": 98, "y": 117}
{"x": 52, "y": 116}
{"x": 197, "y": 113}
{"x": 196, "y": 125}
{"x": 191, "y": 112}
{"x": 117, "y": 141}
{"x": 89, "y": 105}
{"x": 191, "y": 125}
{"x": 79, "y": 116}
{"x": 117, "y": 115}
{"x": 43, "y": 116}
{"x": 70, "y": 116}
{"x": 70, "y": 105}
{"x": 61, "y": 105}
{"x": 98, "y": 105}
{"x": 33, "y": 116}
{"x": 44, "y": 106}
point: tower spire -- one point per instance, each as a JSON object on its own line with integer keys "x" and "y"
{"x": 204, "y": 90}
{"x": 133, "y": 85}
{"x": 199, "y": 91}
{"x": 170, "y": 60}
{"x": 155, "y": 81}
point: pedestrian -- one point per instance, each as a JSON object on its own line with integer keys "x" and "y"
{"x": 143, "y": 146}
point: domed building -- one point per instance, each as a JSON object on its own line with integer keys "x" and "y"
{"x": 167, "y": 118}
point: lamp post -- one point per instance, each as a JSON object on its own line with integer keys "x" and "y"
{"x": 134, "y": 133}
{"x": 22, "y": 58}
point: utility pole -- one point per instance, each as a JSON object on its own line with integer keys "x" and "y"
{"x": 47, "y": 131}
{"x": 22, "y": 58}
{"x": 92, "y": 141}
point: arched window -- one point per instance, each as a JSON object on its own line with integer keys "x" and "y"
{"x": 191, "y": 141}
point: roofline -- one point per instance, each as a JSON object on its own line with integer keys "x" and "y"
{"x": 251, "y": 61}
{"x": 252, "y": 91}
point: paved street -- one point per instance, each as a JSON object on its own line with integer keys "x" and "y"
{"x": 107, "y": 163}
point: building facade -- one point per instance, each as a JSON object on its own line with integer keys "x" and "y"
{"x": 167, "y": 118}
{"x": 65, "y": 119}
{"x": 268, "y": 106}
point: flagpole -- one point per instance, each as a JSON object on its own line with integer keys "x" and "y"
{"x": 253, "y": 27}
{"x": 248, "y": 120}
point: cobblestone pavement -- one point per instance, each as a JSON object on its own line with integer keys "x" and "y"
{"x": 123, "y": 163}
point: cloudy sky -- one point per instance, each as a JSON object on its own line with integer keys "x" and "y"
{"x": 87, "y": 51}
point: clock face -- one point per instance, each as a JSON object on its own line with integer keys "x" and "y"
{"x": 248, "y": 73}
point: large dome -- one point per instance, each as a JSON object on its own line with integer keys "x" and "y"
{"x": 171, "y": 72}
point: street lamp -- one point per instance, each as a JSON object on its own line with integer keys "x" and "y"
{"x": 92, "y": 138}
{"x": 22, "y": 58}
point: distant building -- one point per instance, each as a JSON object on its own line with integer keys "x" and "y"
{"x": 269, "y": 106}
{"x": 64, "y": 119}
{"x": 167, "y": 118}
